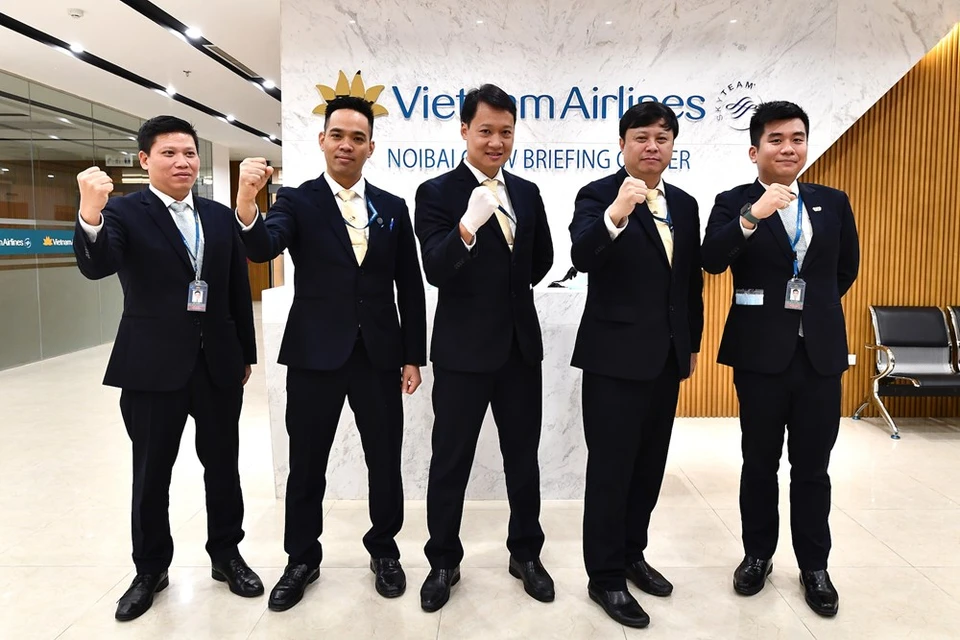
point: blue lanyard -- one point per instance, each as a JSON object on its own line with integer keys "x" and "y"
{"x": 667, "y": 221}
{"x": 797, "y": 235}
{"x": 373, "y": 216}
{"x": 195, "y": 254}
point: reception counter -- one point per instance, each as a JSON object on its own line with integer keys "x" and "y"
{"x": 562, "y": 448}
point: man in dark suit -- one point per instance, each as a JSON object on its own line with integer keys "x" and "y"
{"x": 485, "y": 243}
{"x": 350, "y": 243}
{"x": 638, "y": 240}
{"x": 794, "y": 252}
{"x": 184, "y": 347}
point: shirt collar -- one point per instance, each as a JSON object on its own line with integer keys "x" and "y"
{"x": 168, "y": 200}
{"x": 360, "y": 188}
{"x": 794, "y": 187}
{"x": 481, "y": 176}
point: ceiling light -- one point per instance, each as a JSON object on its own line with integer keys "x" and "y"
{"x": 266, "y": 138}
{"x": 733, "y": 21}
{"x": 608, "y": 22}
{"x": 230, "y": 117}
{"x": 54, "y": 138}
{"x": 4, "y": 170}
{"x": 479, "y": 21}
{"x": 193, "y": 33}
{"x": 64, "y": 120}
{"x": 178, "y": 34}
{"x": 49, "y": 175}
{"x": 131, "y": 138}
{"x": 268, "y": 84}
{"x": 171, "y": 91}
{"x": 76, "y": 47}
{"x": 221, "y": 119}
{"x": 272, "y": 137}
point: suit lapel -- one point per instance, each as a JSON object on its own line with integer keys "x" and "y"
{"x": 330, "y": 211}
{"x": 644, "y": 217}
{"x": 162, "y": 218}
{"x": 207, "y": 224}
{"x": 521, "y": 211}
{"x": 817, "y": 221}
{"x": 380, "y": 226}
{"x": 470, "y": 183}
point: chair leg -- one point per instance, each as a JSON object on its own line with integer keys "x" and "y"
{"x": 875, "y": 397}
{"x": 863, "y": 405}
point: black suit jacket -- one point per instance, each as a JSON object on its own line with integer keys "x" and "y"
{"x": 158, "y": 339}
{"x": 485, "y": 293}
{"x": 334, "y": 297}
{"x": 636, "y": 303}
{"x": 763, "y": 338}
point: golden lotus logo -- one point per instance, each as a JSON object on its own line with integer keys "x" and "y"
{"x": 48, "y": 241}
{"x": 352, "y": 88}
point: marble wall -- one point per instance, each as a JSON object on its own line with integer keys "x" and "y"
{"x": 833, "y": 57}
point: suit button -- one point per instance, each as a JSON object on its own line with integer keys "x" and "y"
{"x": 197, "y": 322}
{"x": 360, "y": 301}
{"x": 361, "y": 271}
{"x": 671, "y": 309}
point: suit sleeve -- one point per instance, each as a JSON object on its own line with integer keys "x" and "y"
{"x": 723, "y": 240}
{"x": 438, "y": 230}
{"x": 695, "y": 300}
{"x": 542, "y": 244}
{"x": 410, "y": 296}
{"x": 104, "y": 257}
{"x": 241, "y": 303}
{"x": 269, "y": 237}
{"x": 591, "y": 244}
{"x": 849, "y": 260}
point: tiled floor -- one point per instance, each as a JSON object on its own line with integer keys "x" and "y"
{"x": 64, "y": 539}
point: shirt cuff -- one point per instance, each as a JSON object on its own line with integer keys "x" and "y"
{"x": 246, "y": 227}
{"x": 747, "y": 232}
{"x": 92, "y": 231}
{"x": 472, "y": 244}
{"x": 613, "y": 229}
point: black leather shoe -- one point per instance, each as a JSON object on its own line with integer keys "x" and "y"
{"x": 390, "y": 581}
{"x": 819, "y": 592}
{"x": 436, "y": 588}
{"x": 751, "y": 575}
{"x": 241, "y": 578}
{"x": 290, "y": 587}
{"x": 648, "y": 579}
{"x": 621, "y": 606}
{"x": 536, "y": 581}
{"x": 139, "y": 597}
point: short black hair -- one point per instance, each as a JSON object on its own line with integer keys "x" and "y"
{"x": 160, "y": 125}
{"x": 361, "y": 106}
{"x": 489, "y": 94}
{"x": 775, "y": 111}
{"x": 644, "y": 114}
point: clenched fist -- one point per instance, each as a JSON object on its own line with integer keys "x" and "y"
{"x": 632, "y": 192}
{"x": 254, "y": 174}
{"x": 95, "y": 188}
{"x": 480, "y": 207}
{"x": 777, "y": 196}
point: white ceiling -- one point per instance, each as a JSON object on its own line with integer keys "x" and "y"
{"x": 248, "y": 30}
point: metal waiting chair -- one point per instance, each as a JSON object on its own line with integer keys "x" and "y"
{"x": 913, "y": 357}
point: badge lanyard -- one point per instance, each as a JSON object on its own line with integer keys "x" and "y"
{"x": 797, "y": 236}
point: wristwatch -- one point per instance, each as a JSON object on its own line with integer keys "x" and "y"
{"x": 746, "y": 214}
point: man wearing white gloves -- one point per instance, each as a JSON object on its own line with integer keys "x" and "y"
{"x": 485, "y": 242}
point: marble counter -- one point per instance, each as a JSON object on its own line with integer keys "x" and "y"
{"x": 562, "y": 449}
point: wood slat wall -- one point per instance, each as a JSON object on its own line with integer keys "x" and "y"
{"x": 900, "y": 165}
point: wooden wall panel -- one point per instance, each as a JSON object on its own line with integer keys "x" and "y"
{"x": 900, "y": 165}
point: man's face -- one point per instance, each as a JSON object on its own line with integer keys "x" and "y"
{"x": 172, "y": 164}
{"x": 647, "y": 150}
{"x": 489, "y": 138}
{"x": 346, "y": 145}
{"x": 782, "y": 152}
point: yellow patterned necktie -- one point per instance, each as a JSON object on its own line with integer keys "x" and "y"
{"x": 502, "y": 218}
{"x": 355, "y": 222}
{"x": 660, "y": 219}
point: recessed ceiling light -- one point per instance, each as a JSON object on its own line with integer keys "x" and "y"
{"x": 4, "y": 170}
{"x": 178, "y": 34}
{"x": 49, "y": 175}
{"x": 76, "y": 47}
{"x": 171, "y": 91}
{"x": 272, "y": 137}
{"x": 193, "y": 33}
{"x": 230, "y": 117}
{"x": 64, "y": 120}
{"x": 268, "y": 84}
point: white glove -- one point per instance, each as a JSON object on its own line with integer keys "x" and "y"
{"x": 481, "y": 206}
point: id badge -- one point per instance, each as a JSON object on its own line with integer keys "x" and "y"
{"x": 796, "y": 292}
{"x": 197, "y": 296}
{"x": 748, "y": 297}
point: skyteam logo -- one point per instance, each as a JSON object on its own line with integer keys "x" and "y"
{"x": 736, "y": 103}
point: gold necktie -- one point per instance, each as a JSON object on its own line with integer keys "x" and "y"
{"x": 660, "y": 219}
{"x": 355, "y": 221}
{"x": 502, "y": 218}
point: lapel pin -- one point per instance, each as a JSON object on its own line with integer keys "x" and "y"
{"x": 379, "y": 221}
{"x": 817, "y": 208}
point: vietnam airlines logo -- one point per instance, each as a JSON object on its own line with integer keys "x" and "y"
{"x": 48, "y": 241}
{"x": 352, "y": 88}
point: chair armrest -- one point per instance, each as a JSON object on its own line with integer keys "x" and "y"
{"x": 891, "y": 361}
